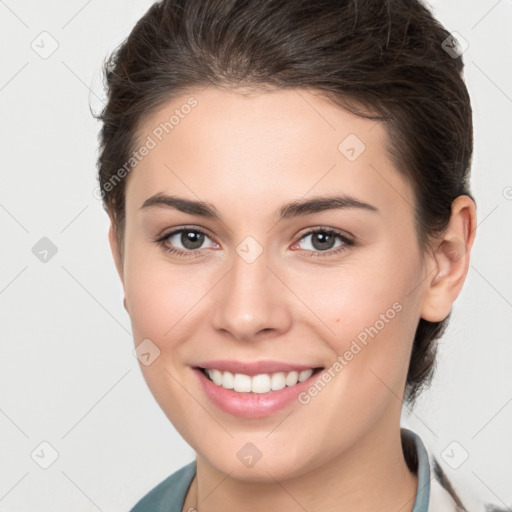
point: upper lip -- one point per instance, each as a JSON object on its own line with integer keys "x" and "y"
{"x": 254, "y": 367}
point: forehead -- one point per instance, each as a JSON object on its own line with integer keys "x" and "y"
{"x": 263, "y": 149}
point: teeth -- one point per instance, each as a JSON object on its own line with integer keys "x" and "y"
{"x": 242, "y": 383}
{"x": 262, "y": 383}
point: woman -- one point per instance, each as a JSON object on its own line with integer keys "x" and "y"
{"x": 291, "y": 220}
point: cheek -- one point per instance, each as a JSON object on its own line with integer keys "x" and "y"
{"x": 158, "y": 295}
{"x": 369, "y": 313}
{"x": 373, "y": 327}
{"x": 364, "y": 290}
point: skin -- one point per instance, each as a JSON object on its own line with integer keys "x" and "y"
{"x": 247, "y": 155}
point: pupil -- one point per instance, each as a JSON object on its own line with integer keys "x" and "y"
{"x": 325, "y": 241}
{"x": 192, "y": 239}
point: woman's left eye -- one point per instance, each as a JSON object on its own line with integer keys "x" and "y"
{"x": 323, "y": 240}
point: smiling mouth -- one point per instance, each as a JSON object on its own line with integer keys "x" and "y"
{"x": 261, "y": 383}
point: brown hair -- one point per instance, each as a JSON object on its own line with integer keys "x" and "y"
{"x": 379, "y": 59}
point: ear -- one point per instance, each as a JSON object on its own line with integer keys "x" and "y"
{"x": 115, "y": 249}
{"x": 451, "y": 260}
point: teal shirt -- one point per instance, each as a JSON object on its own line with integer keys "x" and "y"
{"x": 169, "y": 495}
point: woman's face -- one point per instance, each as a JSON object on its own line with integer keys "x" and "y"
{"x": 258, "y": 287}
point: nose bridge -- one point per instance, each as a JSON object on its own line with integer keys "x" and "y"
{"x": 251, "y": 298}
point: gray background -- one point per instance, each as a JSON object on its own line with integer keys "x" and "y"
{"x": 68, "y": 375}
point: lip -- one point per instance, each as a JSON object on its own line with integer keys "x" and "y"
{"x": 253, "y": 405}
{"x": 252, "y": 368}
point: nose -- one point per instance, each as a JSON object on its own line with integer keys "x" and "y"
{"x": 252, "y": 301}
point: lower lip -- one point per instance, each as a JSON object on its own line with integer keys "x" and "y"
{"x": 252, "y": 405}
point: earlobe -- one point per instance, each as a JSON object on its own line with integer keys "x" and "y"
{"x": 451, "y": 260}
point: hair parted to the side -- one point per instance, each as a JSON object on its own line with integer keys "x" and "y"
{"x": 379, "y": 59}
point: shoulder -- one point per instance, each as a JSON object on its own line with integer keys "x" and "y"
{"x": 450, "y": 494}
{"x": 168, "y": 495}
{"x": 444, "y": 494}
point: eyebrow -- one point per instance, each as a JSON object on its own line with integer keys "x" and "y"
{"x": 289, "y": 210}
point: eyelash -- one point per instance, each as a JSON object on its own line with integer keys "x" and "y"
{"x": 347, "y": 242}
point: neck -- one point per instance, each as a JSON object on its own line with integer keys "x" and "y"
{"x": 370, "y": 476}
